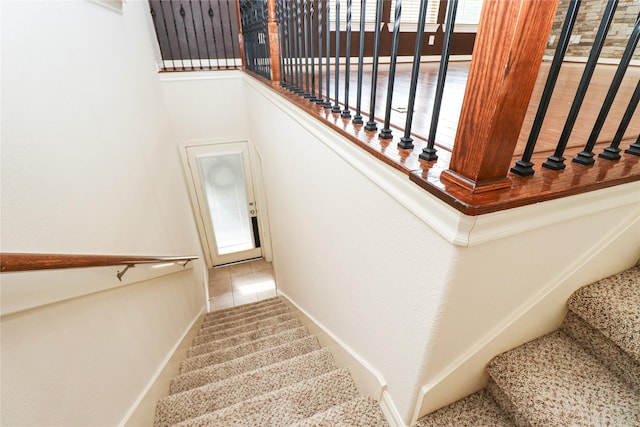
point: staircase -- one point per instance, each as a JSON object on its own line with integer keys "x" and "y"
{"x": 257, "y": 365}
{"x": 587, "y": 373}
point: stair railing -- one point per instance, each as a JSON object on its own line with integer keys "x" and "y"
{"x": 197, "y": 35}
{"x": 14, "y": 262}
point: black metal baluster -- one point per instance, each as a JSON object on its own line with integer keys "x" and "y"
{"x": 634, "y": 148}
{"x": 327, "y": 103}
{"x": 266, "y": 56}
{"x": 371, "y": 123}
{"x": 300, "y": 76}
{"x": 346, "y": 114}
{"x": 524, "y": 167}
{"x": 556, "y": 161}
{"x": 213, "y": 32}
{"x": 319, "y": 99}
{"x": 193, "y": 21}
{"x": 312, "y": 53}
{"x": 166, "y": 30}
{"x": 585, "y": 157}
{"x": 230, "y": 4}
{"x": 612, "y": 152}
{"x": 283, "y": 44}
{"x": 224, "y": 39}
{"x": 429, "y": 152}
{"x": 385, "y": 133}
{"x": 206, "y": 39}
{"x": 294, "y": 36}
{"x": 280, "y": 45}
{"x": 307, "y": 84}
{"x": 183, "y": 14}
{"x": 357, "y": 119}
{"x": 290, "y": 43}
{"x": 406, "y": 142}
{"x": 175, "y": 26}
{"x": 336, "y": 66}
{"x": 288, "y": 28}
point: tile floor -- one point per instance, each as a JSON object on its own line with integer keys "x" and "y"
{"x": 241, "y": 283}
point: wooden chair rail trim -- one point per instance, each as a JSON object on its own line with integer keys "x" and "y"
{"x": 12, "y": 262}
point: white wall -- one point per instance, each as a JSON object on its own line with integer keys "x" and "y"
{"x": 89, "y": 165}
{"x": 206, "y": 105}
{"x": 399, "y": 277}
{"x": 411, "y": 298}
{"x": 347, "y": 252}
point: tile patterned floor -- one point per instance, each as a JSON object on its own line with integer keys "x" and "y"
{"x": 241, "y": 283}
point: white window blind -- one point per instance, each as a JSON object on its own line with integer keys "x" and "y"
{"x": 411, "y": 9}
{"x": 369, "y": 16}
{"x": 468, "y": 11}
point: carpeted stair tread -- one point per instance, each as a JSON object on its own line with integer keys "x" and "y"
{"x": 477, "y": 409}
{"x": 224, "y": 355}
{"x": 554, "y": 381}
{"x": 612, "y": 306}
{"x": 238, "y": 316}
{"x": 359, "y": 412}
{"x": 284, "y": 406}
{"x": 201, "y": 339}
{"x": 242, "y": 308}
{"x": 216, "y": 327}
{"x": 240, "y": 365}
{"x": 211, "y": 397}
{"x": 605, "y": 350}
{"x": 246, "y": 337}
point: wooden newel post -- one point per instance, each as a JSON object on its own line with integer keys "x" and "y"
{"x": 511, "y": 40}
{"x": 272, "y": 29}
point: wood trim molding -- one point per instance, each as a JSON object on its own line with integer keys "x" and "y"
{"x": 11, "y": 262}
{"x": 507, "y": 56}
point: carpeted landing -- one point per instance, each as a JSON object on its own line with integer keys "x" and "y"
{"x": 257, "y": 365}
{"x": 587, "y": 373}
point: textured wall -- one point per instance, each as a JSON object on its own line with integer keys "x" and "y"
{"x": 586, "y": 27}
{"x": 89, "y": 165}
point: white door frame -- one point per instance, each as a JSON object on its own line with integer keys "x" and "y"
{"x": 200, "y": 209}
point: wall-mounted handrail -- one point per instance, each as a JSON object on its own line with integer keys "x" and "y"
{"x": 13, "y": 262}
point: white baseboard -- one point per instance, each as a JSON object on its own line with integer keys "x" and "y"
{"x": 390, "y": 411}
{"x": 368, "y": 380}
{"x": 160, "y": 369}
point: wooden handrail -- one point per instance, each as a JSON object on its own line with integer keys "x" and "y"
{"x": 11, "y": 262}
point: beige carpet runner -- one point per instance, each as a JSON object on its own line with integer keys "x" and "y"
{"x": 257, "y": 365}
{"x": 587, "y": 373}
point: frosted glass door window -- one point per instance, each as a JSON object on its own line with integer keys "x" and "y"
{"x": 226, "y": 193}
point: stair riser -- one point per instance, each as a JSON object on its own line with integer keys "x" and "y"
{"x": 241, "y": 308}
{"x": 201, "y": 339}
{"x": 502, "y": 399}
{"x": 243, "y": 321}
{"x": 209, "y": 398}
{"x": 360, "y": 412}
{"x": 285, "y": 406}
{"x": 238, "y": 366}
{"x": 204, "y": 360}
{"x": 242, "y": 338}
{"x": 608, "y": 352}
{"x": 240, "y": 316}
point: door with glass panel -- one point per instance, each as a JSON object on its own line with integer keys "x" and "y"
{"x": 225, "y": 202}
